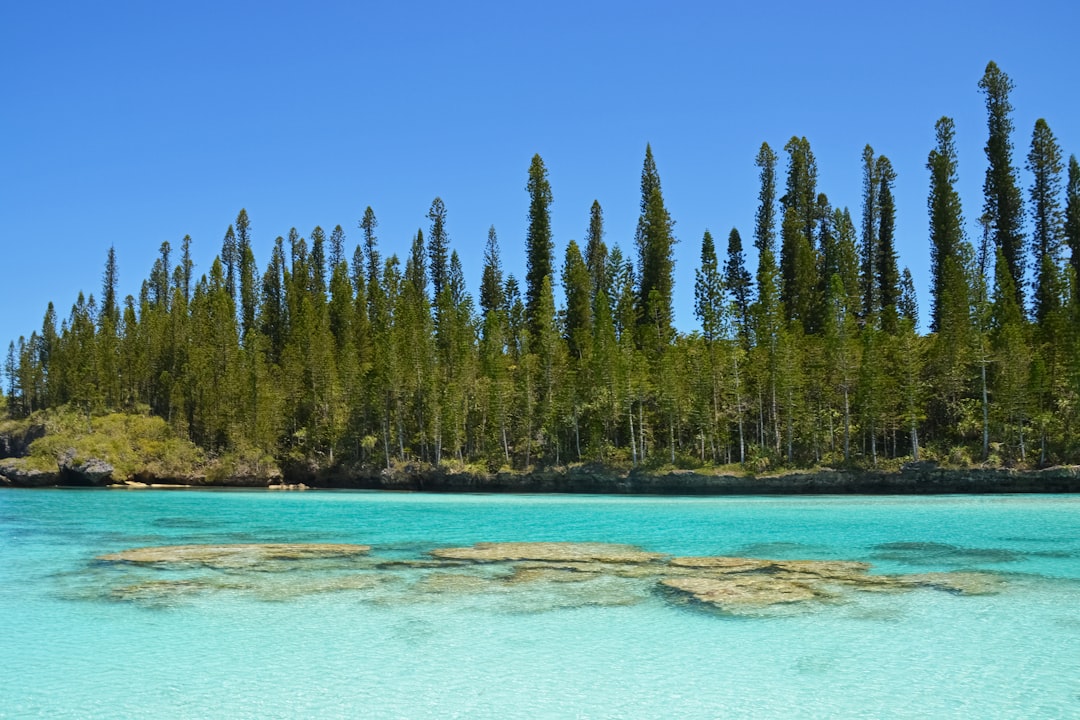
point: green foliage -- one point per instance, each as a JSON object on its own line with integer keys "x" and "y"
{"x": 131, "y": 443}
{"x": 654, "y": 241}
{"x": 1072, "y": 214}
{"x": 946, "y": 225}
{"x": 539, "y": 245}
{"x": 1003, "y": 203}
{"x": 386, "y": 363}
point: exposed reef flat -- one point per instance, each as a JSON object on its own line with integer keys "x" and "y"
{"x": 514, "y": 576}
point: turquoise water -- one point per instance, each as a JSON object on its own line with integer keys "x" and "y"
{"x": 80, "y": 638}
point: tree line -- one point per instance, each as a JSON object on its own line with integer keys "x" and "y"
{"x": 816, "y": 357}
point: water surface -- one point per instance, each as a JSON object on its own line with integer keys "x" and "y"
{"x": 80, "y": 638}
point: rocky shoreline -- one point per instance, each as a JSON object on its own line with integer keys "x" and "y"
{"x": 912, "y": 479}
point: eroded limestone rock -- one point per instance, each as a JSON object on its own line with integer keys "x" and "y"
{"x": 549, "y": 551}
{"x": 741, "y": 592}
{"x": 515, "y": 576}
{"x": 233, "y": 556}
{"x": 736, "y": 585}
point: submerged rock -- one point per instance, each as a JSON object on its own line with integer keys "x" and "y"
{"x": 549, "y": 551}
{"x": 549, "y": 574}
{"x": 515, "y": 576}
{"x": 735, "y": 584}
{"x": 232, "y": 556}
{"x": 958, "y": 583}
{"x": 839, "y": 569}
{"x": 742, "y": 592}
{"x": 169, "y": 592}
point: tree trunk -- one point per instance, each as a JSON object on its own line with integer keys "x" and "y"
{"x": 873, "y": 445}
{"x": 1023, "y": 453}
{"x": 671, "y": 436}
{"x": 738, "y": 409}
{"x": 641, "y": 428}
{"x": 847, "y": 426}
{"x": 986, "y": 415}
{"x": 505, "y": 444}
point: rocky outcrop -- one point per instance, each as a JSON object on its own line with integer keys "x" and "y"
{"x": 913, "y": 479}
{"x": 17, "y": 444}
{"x": 924, "y": 478}
{"x": 91, "y": 471}
{"x": 15, "y": 473}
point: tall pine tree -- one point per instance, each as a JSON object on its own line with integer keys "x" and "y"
{"x": 538, "y": 244}
{"x": 1003, "y": 203}
{"x": 654, "y": 240}
{"x": 1044, "y": 162}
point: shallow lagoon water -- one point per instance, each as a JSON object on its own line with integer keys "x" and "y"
{"x": 80, "y": 638}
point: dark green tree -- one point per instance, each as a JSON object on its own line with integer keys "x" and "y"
{"x": 229, "y": 259}
{"x": 373, "y": 263}
{"x": 709, "y": 291}
{"x": 248, "y": 289}
{"x": 538, "y": 243}
{"x": 438, "y": 250}
{"x": 578, "y": 288}
{"x": 887, "y": 276}
{"x": 158, "y": 285}
{"x": 337, "y": 247}
{"x": 738, "y": 282}
{"x": 245, "y": 268}
{"x": 951, "y": 294}
{"x": 110, "y": 310}
{"x": 909, "y": 305}
{"x": 869, "y": 240}
{"x": 655, "y": 240}
{"x": 767, "y": 311}
{"x": 1003, "y": 201}
{"x": 846, "y": 263}
{"x": 1044, "y": 162}
{"x": 798, "y": 261}
{"x": 492, "y": 294}
{"x": 187, "y": 266}
{"x": 596, "y": 252}
{"x": 946, "y": 223}
{"x": 273, "y": 310}
{"x": 577, "y": 285}
{"x": 1072, "y": 215}
{"x": 318, "y": 260}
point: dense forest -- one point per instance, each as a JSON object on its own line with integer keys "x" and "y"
{"x": 814, "y": 358}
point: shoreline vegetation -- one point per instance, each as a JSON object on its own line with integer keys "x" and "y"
{"x": 141, "y": 451}
{"x": 364, "y": 370}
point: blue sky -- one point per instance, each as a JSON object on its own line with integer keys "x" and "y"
{"x": 128, "y": 124}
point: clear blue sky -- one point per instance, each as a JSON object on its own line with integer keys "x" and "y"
{"x": 128, "y": 124}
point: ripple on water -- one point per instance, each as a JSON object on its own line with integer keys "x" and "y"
{"x": 935, "y": 553}
{"x": 533, "y": 639}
